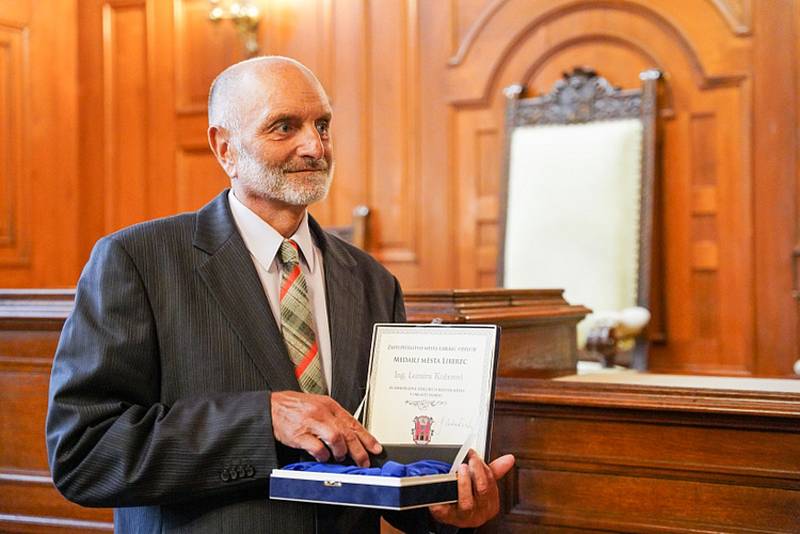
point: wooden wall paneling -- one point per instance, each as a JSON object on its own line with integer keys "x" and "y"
{"x": 348, "y": 88}
{"x": 39, "y": 111}
{"x": 394, "y": 128}
{"x": 487, "y": 149}
{"x": 775, "y": 145}
{"x": 126, "y": 103}
{"x": 437, "y": 189}
{"x": 471, "y": 127}
{"x": 92, "y": 184}
{"x": 54, "y": 143}
{"x": 15, "y": 120}
{"x": 161, "y": 121}
{"x": 375, "y": 87}
{"x": 197, "y": 37}
{"x": 796, "y": 251}
{"x": 676, "y": 217}
{"x": 30, "y": 323}
{"x": 415, "y": 87}
{"x": 287, "y": 27}
{"x": 708, "y": 251}
{"x": 627, "y": 458}
{"x": 197, "y": 176}
{"x": 734, "y": 247}
{"x": 148, "y": 78}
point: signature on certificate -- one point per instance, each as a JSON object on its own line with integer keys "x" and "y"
{"x": 424, "y": 404}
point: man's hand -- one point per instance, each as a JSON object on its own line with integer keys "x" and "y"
{"x": 478, "y": 497}
{"x": 312, "y": 422}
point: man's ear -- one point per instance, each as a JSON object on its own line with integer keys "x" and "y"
{"x": 219, "y": 142}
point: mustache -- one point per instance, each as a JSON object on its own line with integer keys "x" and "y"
{"x": 308, "y": 164}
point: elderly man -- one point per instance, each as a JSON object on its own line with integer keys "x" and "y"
{"x": 208, "y": 348}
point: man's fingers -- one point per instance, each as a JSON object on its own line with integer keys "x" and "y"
{"x": 298, "y": 419}
{"x": 502, "y": 465}
{"x": 481, "y": 482}
{"x": 331, "y": 436}
{"x": 357, "y": 451}
{"x": 476, "y": 507}
{"x": 343, "y": 440}
{"x": 314, "y": 447}
{"x": 368, "y": 440}
{"x": 465, "y": 499}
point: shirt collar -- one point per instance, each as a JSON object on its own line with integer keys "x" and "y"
{"x": 263, "y": 241}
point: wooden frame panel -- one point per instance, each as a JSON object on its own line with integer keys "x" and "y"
{"x": 14, "y": 145}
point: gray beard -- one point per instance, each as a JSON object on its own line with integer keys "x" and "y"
{"x": 276, "y": 183}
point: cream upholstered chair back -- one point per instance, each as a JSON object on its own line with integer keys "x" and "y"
{"x": 577, "y": 193}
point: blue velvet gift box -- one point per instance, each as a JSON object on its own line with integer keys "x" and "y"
{"x": 387, "y": 484}
{"x": 426, "y": 363}
{"x": 387, "y": 492}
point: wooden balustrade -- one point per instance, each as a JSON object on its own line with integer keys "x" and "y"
{"x": 592, "y": 456}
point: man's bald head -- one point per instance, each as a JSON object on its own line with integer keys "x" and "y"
{"x": 233, "y": 90}
{"x": 269, "y": 128}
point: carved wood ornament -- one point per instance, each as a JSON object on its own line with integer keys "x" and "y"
{"x": 580, "y": 96}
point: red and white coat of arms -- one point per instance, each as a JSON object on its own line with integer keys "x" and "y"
{"x": 422, "y": 430}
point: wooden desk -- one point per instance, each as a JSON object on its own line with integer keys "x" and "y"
{"x": 623, "y": 453}
{"x": 539, "y": 337}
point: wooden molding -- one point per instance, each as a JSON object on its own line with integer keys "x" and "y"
{"x": 27, "y": 523}
{"x": 506, "y": 307}
{"x": 515, "y": 393}
{"x": 15, "y": 174}
{"x": 25, "y": 305}
{"x": 474, "y": 30}
{"x": 126, "y": 118}
{"x": 738, "y": 14}
{"x": 479, "y": 93}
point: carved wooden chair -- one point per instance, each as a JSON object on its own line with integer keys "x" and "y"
{"x": 577, "y": 202}
{"x": 356, "y": 233}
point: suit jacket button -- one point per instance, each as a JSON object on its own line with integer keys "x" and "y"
{"x": 250, "y": 471}
{"x": 225, "y": 476}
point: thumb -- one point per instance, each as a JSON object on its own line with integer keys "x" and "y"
{"x": 502, "y": 465}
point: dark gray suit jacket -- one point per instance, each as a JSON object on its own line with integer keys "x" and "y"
{"x": 158, "y": 395}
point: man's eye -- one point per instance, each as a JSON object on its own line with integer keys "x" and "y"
{"x": 283, "y": 127}
{"x": 322, "y": 127}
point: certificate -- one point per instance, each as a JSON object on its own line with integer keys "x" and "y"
{"x": 432, "y": 384}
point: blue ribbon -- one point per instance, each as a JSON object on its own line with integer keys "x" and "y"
{"x": 389, "y": 469}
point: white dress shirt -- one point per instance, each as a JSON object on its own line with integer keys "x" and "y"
{"x": 263, "y": 242}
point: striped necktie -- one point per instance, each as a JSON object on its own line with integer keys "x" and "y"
{"x": 297, "y": 324}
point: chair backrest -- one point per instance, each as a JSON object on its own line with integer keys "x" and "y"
{"x": 356, "y": 233}
{"x": 577, "y": 193}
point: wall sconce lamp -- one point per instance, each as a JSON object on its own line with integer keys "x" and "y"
{"x": 245, "y": 16}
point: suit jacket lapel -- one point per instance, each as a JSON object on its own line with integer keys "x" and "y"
{"x": 231, "y": 278}
{"x": 344, "y": 294}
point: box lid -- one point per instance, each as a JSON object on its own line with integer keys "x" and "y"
{"x": 431, "y": 388}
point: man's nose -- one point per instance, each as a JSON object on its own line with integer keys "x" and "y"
{"x": 311, "y": 144}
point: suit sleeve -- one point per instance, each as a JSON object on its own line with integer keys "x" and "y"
{"x": 110, "y": 440}
{"x": 399, "y": 304}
